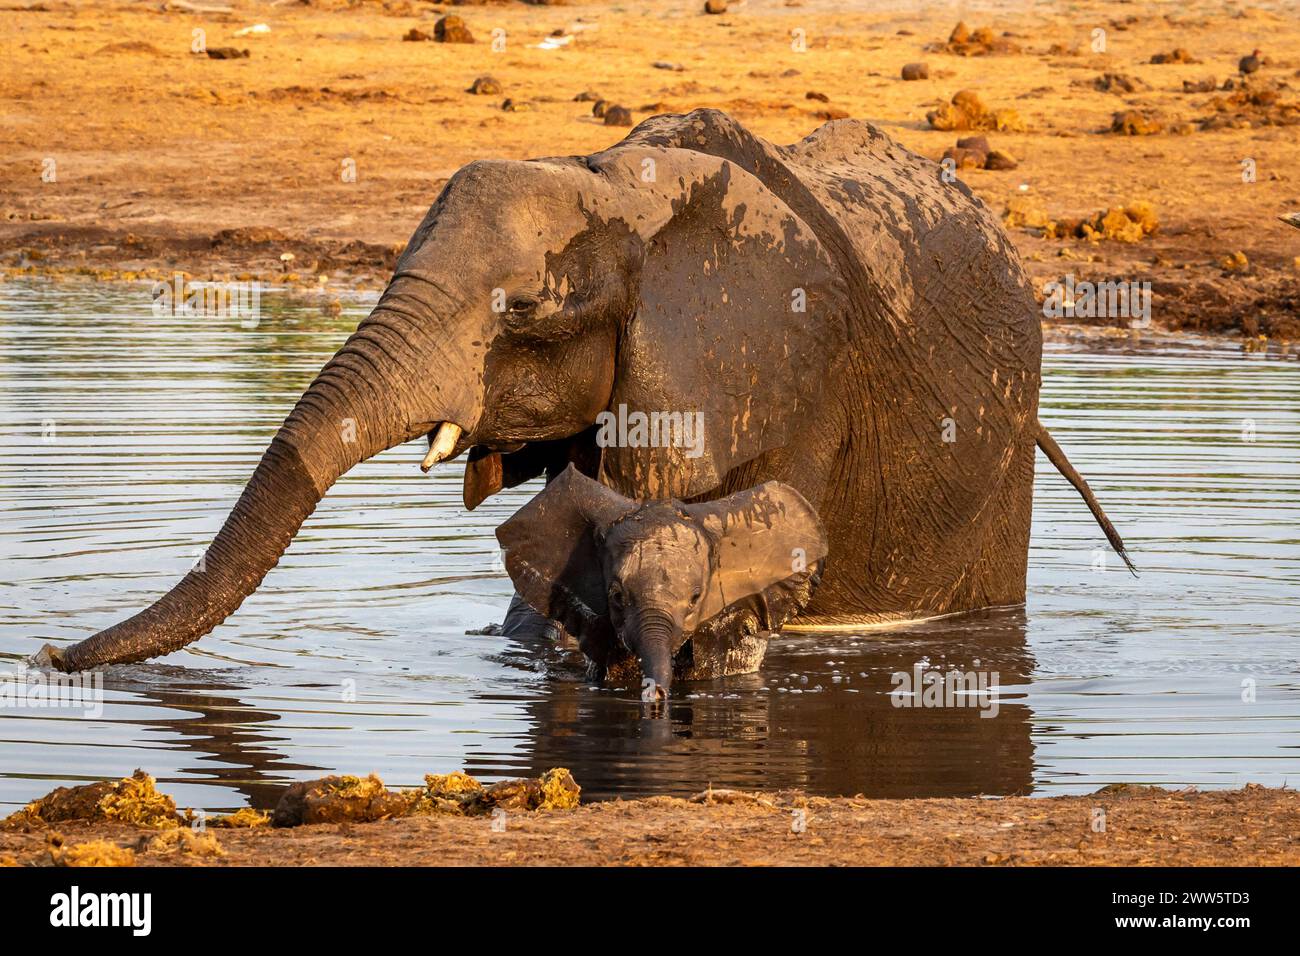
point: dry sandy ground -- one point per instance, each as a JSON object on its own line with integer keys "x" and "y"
{"x": 1251, "y": 827}
{"x": 158, "y": 153}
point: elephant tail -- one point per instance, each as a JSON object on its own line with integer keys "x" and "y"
{"x": 1057, "y": 457}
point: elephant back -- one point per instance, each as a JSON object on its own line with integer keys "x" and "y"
{"x": 937, "y": 389}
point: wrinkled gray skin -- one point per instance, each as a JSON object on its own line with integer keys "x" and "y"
{"x": 832, "y": 308}
{"x": 641, "y": 579}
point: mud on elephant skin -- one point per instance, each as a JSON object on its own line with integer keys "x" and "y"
{"x": 660, "y": 585}
{"x": 832, "y": 309}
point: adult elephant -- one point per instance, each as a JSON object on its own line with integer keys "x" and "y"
{"x": 844, "y": 320}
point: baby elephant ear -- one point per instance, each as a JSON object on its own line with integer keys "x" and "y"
{"x": 551, "y": 552}
{"x": 764, "y": 535}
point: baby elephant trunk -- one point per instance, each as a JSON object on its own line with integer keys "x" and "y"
{"x": 654, "y": 649}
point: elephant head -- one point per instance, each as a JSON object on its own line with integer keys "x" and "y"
{"x": 533, "y": 296}
{"x": 629, "y": 578}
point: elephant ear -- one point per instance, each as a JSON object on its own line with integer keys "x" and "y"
{"x": 762, "y": 536}
{"x": 552, "y": 553}
{"x": 738, "y": 318}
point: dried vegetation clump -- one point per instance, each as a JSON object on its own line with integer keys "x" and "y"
{"x": 974, "y": 152}
{"x": 967, "y": 111}
{"x": 1146, "y": 123}
{"x": 1176, "y": 55}
{"x": 58, "y": 852}
{"x": 982, "y": 41}
{"x": 243, "y": 818}
{"x": 1249, "y": 104}
{"x": 1115, "y": 83}
{"x": 1130, "y": 223}
{"x": 357, "y": 799}
{"x": 186, "y": 841}
{"x": 134, "y": 799}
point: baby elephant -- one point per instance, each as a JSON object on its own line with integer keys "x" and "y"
{"x": 688, "y": 588}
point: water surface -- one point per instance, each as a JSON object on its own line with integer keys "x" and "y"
{"x": 127, "y": 438}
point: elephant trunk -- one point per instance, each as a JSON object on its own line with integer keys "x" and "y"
{"x": 359, "y": 405}
{"x": 654, "y": 650}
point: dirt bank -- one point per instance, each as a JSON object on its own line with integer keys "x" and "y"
{"x": 132, "y": 154}
{"x": 1142, "y": 827}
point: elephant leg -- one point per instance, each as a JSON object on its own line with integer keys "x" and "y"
{"x": 524, "y": 624}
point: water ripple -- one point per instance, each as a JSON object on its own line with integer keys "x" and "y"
{"x": 127, "y": 437}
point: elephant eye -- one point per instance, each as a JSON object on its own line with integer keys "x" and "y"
{"x": 522, "y": 306}
{"x": 695, "y": 598}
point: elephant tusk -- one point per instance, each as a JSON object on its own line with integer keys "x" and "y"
{"x": 441, "y": 446}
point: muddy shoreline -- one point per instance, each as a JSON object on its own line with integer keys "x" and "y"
{"x": 339, "y": 271}
{"x": 1142, "y": 827}
{"x": 133, "y": 157}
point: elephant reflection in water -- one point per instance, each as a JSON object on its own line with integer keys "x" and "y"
{"x": 851, "y": 737}
{"x": 224, "y": 736}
